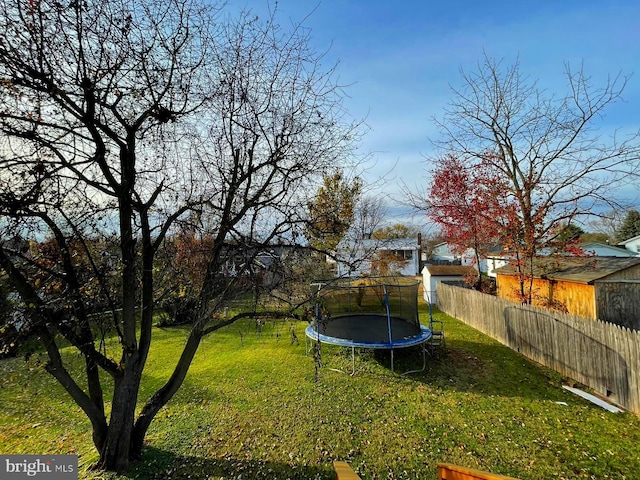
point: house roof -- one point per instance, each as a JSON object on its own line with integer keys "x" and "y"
{"x": 450, "y": 270}
{"x": 492, "y": 248}
{"x": 575, "y": 269}
{"x": 604, "y": 247}
{"x": 630, "y": 240}
{"x": 379, "y": 244}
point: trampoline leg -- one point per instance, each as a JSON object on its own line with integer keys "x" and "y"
{"x": 424, "y": 361}
{"x": 353, "y": 361}
{"x": 392, "y": 369}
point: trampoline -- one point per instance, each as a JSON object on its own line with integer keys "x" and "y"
{"x": 369, "y": 313}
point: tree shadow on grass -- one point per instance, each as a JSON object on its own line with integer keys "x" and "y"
{"x": 160, "y": 464}
{"x": 469, "y": 366}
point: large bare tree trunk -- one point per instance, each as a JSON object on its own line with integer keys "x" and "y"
{"x": 116, "y": 452}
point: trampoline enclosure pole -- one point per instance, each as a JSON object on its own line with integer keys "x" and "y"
{"x": 386, "y": 303}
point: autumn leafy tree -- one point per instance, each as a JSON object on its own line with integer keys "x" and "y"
{"x": 630, "y": 226}
{"x": 121, "y": 121}
{"x": 398, "y": 230}
{"x": 545, "y": 150}
{"x": 183, "y": 259}
{"x": 332, "y": 211}
{"x": 387, "y": 263}
{"x": 471, "y": 207}
{"x": 385, "y": 260}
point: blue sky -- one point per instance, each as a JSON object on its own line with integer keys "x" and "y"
{"x": 401, "y": 58}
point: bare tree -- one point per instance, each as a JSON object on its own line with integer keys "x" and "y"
{"x": 369, "y": 215}
{"x": 548, "y": 149}
{"x": 124, "y": 120}
{"x": 607, "y": 223}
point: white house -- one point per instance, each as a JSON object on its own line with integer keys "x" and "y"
{"x": 442, "y": 252}
{"x": 495, "y": 259}
{"x": 433, "y": 274}
{"x": 366, "y": 256}
{"x": 632, "y": 244}
{"x": 494, "y": 262}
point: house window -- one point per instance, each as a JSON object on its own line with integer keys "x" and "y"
{"x": 404, "y": 254}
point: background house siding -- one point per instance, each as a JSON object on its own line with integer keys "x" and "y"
{"x": 366, "y": 256}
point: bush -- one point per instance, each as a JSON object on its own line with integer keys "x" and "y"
{"x": 178, "y": 311}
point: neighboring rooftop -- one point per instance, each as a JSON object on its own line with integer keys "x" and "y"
{"x": 575, "y": 269}
{"x": 382, "y": 243}
{"x": 606, "y": 250}
{"x": 631, "y": 243}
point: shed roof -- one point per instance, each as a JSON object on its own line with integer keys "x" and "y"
{"x": 450, "y": 270}
{"x": 575, "y": 269}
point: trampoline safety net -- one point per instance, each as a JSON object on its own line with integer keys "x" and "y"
{"x": 367, "y": 301}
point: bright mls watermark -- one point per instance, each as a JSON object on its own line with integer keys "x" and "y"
{"x": 51, "y": 467}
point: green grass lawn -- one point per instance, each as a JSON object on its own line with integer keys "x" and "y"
{"x": 251, "y": 408}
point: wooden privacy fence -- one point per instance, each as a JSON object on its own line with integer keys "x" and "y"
{"x": 601, "y": 355}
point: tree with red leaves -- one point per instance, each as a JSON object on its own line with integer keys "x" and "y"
{"x": 470, "y": 205}
{"x": 476, "y": 210}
